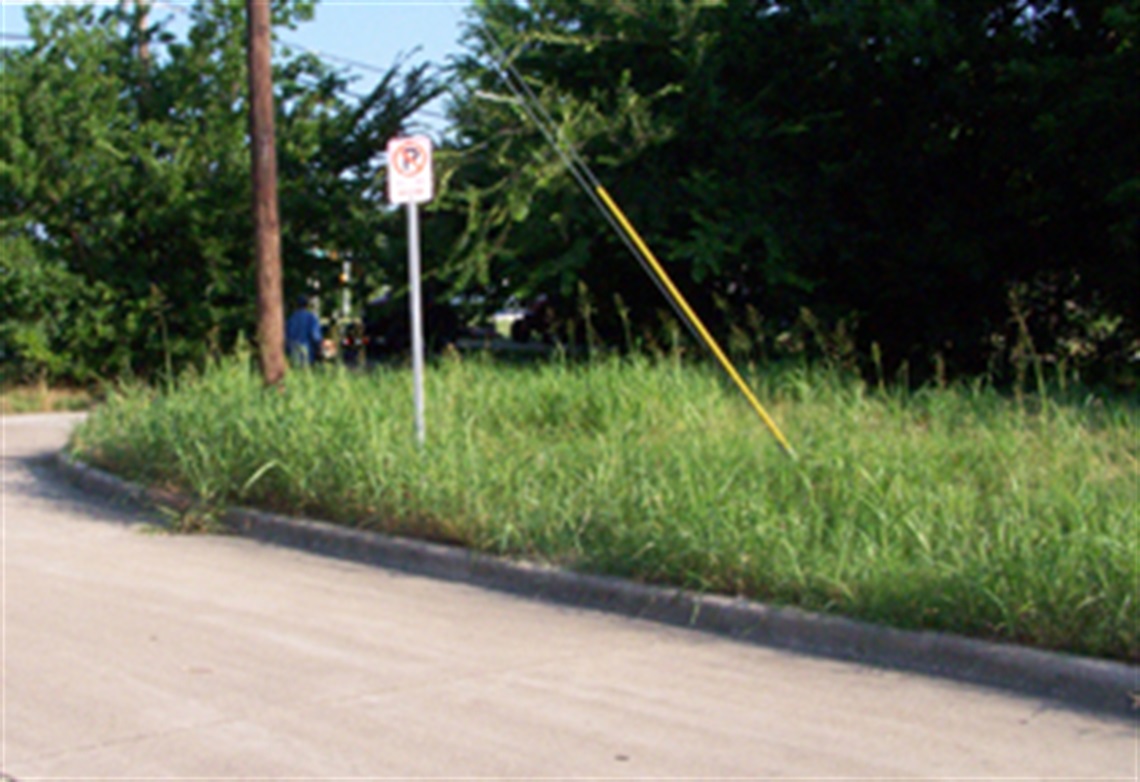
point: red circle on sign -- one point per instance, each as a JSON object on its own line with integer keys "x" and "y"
{"x": 410, "y": 158}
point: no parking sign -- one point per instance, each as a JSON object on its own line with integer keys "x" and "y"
{"x": 409, "y": 170}
{"x": 410, "y": 182}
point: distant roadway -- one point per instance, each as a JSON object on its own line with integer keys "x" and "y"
{"x": 130, "y": 653}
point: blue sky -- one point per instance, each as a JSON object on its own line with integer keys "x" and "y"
{"x": 375, "y": 32}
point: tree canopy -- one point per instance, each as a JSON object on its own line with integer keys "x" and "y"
{"x": 902, "y": 167}
{"x": 930, "y": 182}
{"x": 124, "y": 181}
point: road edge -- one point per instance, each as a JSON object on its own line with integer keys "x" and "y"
{"x": 1100, "y": 686}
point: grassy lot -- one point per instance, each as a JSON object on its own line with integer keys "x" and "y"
{"x": 951, "y": 509}
{"x": 41, "y": 398}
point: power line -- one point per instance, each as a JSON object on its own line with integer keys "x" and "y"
{"x": 319, "y": 53}
{"x": 359, "y": 64}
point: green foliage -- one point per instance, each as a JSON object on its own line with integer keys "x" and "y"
{"x": 951, "y": 509}
{"x": 900, "y": 165}
{"x": 938, "y": 180}
{"x": 129, "y": 180}
{"x": 55, "y": 325}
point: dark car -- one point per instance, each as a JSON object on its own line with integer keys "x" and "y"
{"x": 388, "y": 327}
{"x": 353, "y": 343}
{"x": 538, "y": 322}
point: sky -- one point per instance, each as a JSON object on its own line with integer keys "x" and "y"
{"x": 372, "y": 32}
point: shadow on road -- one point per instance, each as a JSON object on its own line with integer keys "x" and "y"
{"x": 40, "y": 478}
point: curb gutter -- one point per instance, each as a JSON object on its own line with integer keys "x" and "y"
{"x": 1096, "y": 685}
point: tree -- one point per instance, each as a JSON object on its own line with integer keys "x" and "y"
{"x": 901, "y": 165}
{"x": 144, "y": 193}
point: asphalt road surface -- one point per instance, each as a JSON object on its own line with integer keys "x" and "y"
{"x": 131, "y": 654}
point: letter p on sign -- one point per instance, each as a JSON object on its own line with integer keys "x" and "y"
{"x": 409, "y": 170}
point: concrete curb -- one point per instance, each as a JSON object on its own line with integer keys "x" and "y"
{"x": 1095, "y": 685}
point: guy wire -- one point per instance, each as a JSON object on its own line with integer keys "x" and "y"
{"x": 583, "y": 175}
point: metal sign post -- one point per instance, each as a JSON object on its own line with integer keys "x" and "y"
{"x": 417, "y": 317}
{"x": 410, "y": 182}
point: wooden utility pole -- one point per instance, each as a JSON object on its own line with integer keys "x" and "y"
{"x": 142, "y": 12}
{"x": 144, "y": 46}
{"x": 263, "y": 150}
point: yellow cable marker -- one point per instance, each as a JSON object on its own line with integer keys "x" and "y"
{"x": 697, "y": 324}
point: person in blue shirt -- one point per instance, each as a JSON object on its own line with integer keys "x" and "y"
{"x": 303, "y": 334}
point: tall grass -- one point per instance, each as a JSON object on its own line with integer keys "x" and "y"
{"x": 39, "y": 397}
{"x": 952, "y": 509}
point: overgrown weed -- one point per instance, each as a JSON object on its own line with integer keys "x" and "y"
{"x": 951, "y": 508}
{"x": 40, "y": 397}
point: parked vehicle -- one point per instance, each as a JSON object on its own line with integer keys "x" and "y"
{"x": 537, "y": 323}
{"x": 387, "y": 326}
{"x": 353, "y": 343}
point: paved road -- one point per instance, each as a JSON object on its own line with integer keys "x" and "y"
{"x": 134, "y": 654}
